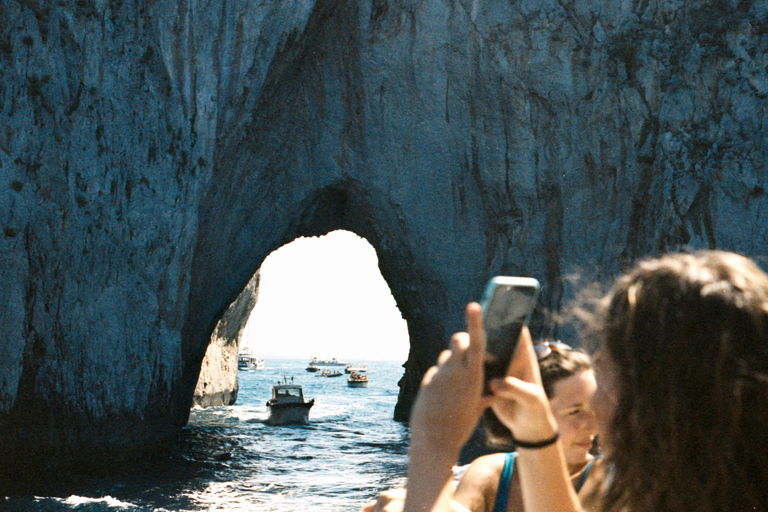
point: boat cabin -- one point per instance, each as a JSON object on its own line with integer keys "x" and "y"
{"x": 287, "y": 393}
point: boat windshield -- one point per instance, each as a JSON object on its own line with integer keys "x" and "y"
{"x": 289, "y": 392}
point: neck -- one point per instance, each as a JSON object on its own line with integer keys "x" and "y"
{"x": 575, "y": 470}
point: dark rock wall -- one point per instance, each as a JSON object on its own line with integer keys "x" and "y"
{"x": 152, "y": 154}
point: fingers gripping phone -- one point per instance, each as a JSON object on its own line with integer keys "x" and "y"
{"x": 507, "y": 305}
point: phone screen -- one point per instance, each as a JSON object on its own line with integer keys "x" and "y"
{"x": 507, "y": 306}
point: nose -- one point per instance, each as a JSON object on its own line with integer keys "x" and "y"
{"x": 588, "y": 421}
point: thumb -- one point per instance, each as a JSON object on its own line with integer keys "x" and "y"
{"x": 516, "y": 390}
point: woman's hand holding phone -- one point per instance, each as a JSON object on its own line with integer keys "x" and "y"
{"x": 449, "y": 405}
{"x": 519, "y": 400}
{"x": 451, "y": 400}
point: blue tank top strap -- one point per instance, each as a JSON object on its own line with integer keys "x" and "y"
{"x": 585, "y": 473}
{"x": 502, "y": 493}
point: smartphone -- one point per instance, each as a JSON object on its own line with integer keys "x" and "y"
{"x": 507, "y": 306}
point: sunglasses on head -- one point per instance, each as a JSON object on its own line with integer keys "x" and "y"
{"x": 543, "y": 350}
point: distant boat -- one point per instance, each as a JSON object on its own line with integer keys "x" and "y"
{"x": 247, "y": 361}
{"x": 357, "y": 380}
{"x": 312, "y": 368}
{"x": 287, "y": 405}
{"x": 329, "y": 373}
{"x": 359, "y": 367}
{"x": 332, "y": 362}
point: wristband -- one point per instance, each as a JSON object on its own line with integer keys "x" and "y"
{"x": 538, "y": 444}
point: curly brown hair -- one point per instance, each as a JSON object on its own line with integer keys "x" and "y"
{"x": 687, "y": 334}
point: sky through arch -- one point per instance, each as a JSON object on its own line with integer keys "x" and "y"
{"x": 325, "y": 297}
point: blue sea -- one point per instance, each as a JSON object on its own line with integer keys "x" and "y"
{"x": 228, "y": 459}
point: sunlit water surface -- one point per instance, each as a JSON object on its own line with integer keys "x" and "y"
{"x": 228, "y": 459}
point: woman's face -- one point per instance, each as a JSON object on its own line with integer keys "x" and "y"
{"x": 571, "y": 405}
{"x": 606, "y": 397}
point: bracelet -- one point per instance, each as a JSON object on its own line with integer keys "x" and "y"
{"x": 538, "y": 444}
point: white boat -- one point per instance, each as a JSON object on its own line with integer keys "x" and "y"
{"x": 322, "y": 362}
{"x": 287, "y": 405}
{"x": 359, "y": 367}
{"x": 247, "y": 361}
{"x": 357, "y": 380}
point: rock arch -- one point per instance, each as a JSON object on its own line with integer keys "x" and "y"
{"x": 348, "y": 205}
{"x": 153, "y": 154}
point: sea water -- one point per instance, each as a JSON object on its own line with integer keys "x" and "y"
{"x": 228, "y": 459}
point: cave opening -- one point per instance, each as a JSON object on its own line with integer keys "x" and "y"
{"x": 345, "y": 208}
{"x": 325, "y": 297}
{"x": 322, "y": 296}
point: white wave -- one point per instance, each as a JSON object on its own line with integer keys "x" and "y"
{"x": 107, "y": 500}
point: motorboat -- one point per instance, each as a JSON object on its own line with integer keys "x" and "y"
{"x": 329, "y": 373}
{"x": 326, "y": 362}
{"x": 357, "y": 380}
{"x": 288, "y": 405}
{"x": 359, "y": 367}
{"x": 248, "y": 362}
{"x": 312, "y": 368}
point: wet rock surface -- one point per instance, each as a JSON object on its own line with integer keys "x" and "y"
{"x": 152, "y": 155}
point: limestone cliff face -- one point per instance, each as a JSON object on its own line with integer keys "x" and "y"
{"x": 152, "y": 154}
{"x": 217, "y": 383}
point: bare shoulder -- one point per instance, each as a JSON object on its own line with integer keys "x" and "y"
{"x": 487, "y": 465}
{"x": 477, "y": 488}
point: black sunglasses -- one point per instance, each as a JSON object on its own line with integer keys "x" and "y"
{"x": 543, "y": 350}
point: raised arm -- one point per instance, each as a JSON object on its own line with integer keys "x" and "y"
{"x": 449, "y": 406}
{"x": 447, "y": 409}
